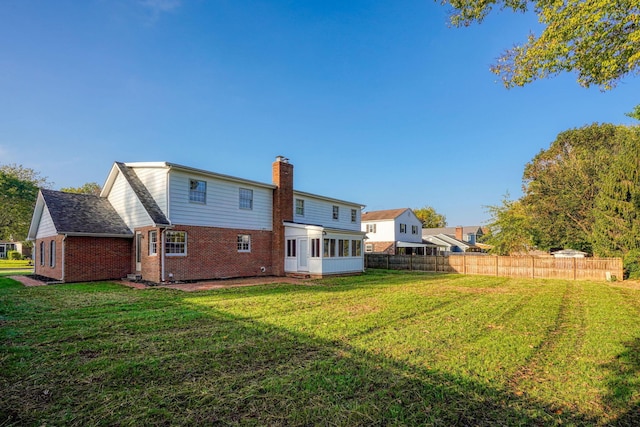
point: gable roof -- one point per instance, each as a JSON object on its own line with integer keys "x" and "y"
{"x": 451, "y": 230}
{"x": 145, "y": 197}
{"x": 79, "y": 214}
{"x": 383, "y": 215}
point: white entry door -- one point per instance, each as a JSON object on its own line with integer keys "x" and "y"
{"x": 303, "y": 251}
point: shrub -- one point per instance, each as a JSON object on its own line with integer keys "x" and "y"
{"x": 14, "y": 255}
{"x": 631, "y": 264}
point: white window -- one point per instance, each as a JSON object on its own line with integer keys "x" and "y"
{"x": 414, "y": 229}
{"x": 356, "y": 248}
{"x": 197, "y": 191}
{"x": 153, "y": 242}
{"x": 175, "y": 243}
{"x": 246, "y": 198}
{"x": 371, "y": 228}
{"x": 343, "y": 247}
{"x": 291, "y": 247}
{"x": 300, "y": 207}
{"x": 329, "y": 248}
{"x": 52, "y": 253}
{"x": 336, "y": 212}
{"x": 368, "y": 247}
{"x": 354, "y": 215}
{"x": 403, "y": 228}
{"x": 244, "y": 243}
{"x": 315, "y": 248}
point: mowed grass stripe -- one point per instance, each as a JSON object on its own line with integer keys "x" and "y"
{"x": 382, "y": 348}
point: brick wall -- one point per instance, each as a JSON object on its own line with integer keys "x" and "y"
{"x": 97, "y": 258}
{"x": 46, "y": 270}
{"x": 383, "y": 247}
{"x": 212, "y": 253}
{"x": 86, "y": 258}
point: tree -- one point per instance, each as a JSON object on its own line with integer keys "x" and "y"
{"x": 509, "y": 229}
{"x": 598, "y": 39}
{"x": 18, "y": 191}
{"x": 561, "y": 185}
{"x": 88, "y": 188}
{"x": 430, "y": 218}
{"x": 616, "y": 229}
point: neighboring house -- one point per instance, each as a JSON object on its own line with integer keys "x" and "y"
{"x": 394, "y": 231}
{"x": 569, "y": 253}
{"x": 453, "y": 240}
{"x": 470, "y": 234}
{"x": 5, "y": 247}
{"x": 167, "y": 222}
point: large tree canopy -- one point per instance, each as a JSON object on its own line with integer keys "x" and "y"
{"x": 87, "y": 188}
{"x": 598, "y": 39}
{"x": 18, "y": 191}
{"x": 430, "y": 218}
{"x": 509, "y": 228}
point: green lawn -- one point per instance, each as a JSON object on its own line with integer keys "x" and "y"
{"x": 385, "y": 348}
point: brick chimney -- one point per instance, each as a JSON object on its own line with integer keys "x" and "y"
{"x": 459, "y": 233}
{"x": 282, "y": 175}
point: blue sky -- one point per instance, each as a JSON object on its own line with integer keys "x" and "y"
{"x": 377, "y": 102}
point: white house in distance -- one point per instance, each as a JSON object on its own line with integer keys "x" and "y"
{"x": 160, "y": 221}
{"x": 395, "y": 232}
{"x": 452, "y": 240}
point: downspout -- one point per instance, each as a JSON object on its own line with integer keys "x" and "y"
{"x": 162, "y": 254}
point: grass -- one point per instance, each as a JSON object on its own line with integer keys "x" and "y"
{"x": 385, "y": 348}
{"x": 11, "y": 267}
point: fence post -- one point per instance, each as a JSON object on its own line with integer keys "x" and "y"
{"x": 387, "y": 261}
{"x": 574, "y": 269}
{"x": 411, "y": 262}
{"x": 533, "y": 267}
{"x": 496, "y": 265}
{"x": 464, "y": 263}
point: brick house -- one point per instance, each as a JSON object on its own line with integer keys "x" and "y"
{"x": 166, "y": 222}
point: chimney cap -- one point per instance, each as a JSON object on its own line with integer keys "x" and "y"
{"x": 282, "y": 159}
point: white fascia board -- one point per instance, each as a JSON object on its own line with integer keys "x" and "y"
{"x": 321, "y": 228}
{"x": 36, "y": 217}
{"x": 111, "y": 178}
{"x": 327, "y": 199}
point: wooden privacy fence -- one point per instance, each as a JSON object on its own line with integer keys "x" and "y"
{"x": 504, "y": 266}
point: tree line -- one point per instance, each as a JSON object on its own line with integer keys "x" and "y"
{"x": 583, "y": 193}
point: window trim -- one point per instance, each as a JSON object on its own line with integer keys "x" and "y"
{"x": 241, "y": 243}
{"x": 246, "y": 191}
{"x": 291, "y": 248}
{"x": 42, "y": 254}
{"x": 403, "y": 228}
{"x": 167, "y": 243}
{"x": 52, "y": 253}
{"x": 335, "y": 214}
{"x": 299, "y": 207}
{"x": 354, "y": 215}
{"x": 193, "y": 191}
{"x": 153, "y": 242}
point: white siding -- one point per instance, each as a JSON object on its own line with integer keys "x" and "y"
{"x": 389, "y": 230}
{"x": 408, "y": 218}
{"x": 222, "y": 207}
{"x": 126, "y": 203}
{"x": 385, "y": 231}
{"x": 318, "y": 211}
{"x": 155, "y": 179}
{"x": 46, "y": 227}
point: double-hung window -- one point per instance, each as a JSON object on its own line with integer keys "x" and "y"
{"x": 300, "y": 207}
{"x": 244, "y": 243}
{"x": 336, "y": 212}
{"x": 414, "y": 229}
{"x": 371, "y": 228}
{"x": 246, "y": 198}
{"x": 403, "y": 228}
{"x": 354, "y": 215}
{"x": 197, "y": 191}
{"x": 175, "y": 243}
{"x": 153, "y": 242}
